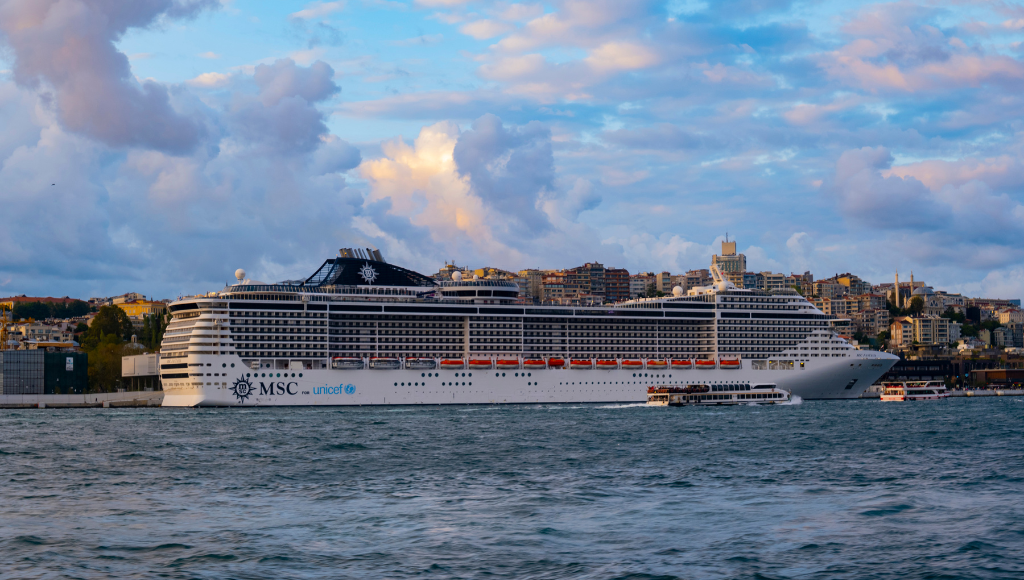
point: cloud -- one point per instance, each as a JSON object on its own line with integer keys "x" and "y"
{"x": 317, "y": 10}
{"x": 210, "y": 80}
{"x": 208, "y": 55}
{"x": 69, "y": 46}
{"x": 484, "y": 29}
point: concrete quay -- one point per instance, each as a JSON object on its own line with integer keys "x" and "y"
{"x": 125, "y": 399}
{"x": 987, "y": 393}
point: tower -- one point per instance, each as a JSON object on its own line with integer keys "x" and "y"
{"x": 897, "y": 297}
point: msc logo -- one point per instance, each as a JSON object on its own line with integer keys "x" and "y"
{"x": 368, "y": 273}
{"x": 242, "y": 389}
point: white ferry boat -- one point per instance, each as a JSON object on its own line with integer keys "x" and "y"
{"x": 724, "y": 394}
{"x": 914, "y": 391}
{"x": 360, "y": 331}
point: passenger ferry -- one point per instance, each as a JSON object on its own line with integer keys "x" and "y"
{"x": 724, "y": 394}
{"x": 360, "y": 331}
{"x": 914, "y": 391}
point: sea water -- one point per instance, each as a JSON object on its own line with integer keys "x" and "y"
{"x": 851, "y": 489}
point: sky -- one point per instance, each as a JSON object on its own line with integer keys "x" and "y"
{"x": 156, "y": 146}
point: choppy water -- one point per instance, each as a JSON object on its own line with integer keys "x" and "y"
{"x": 857, "y": 489}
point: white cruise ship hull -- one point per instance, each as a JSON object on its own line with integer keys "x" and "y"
{"x": 838, "y": 378}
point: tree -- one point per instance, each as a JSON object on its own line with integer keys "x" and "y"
{"x": 105, "y": 364}
{"x": 652, "y": 290}
{"x": 44, "y": 310}
{"x": 884, "y": 337}
{"x": 109, "y": 321}
{"x": 954, "y": 315}
{"x": 916, "y": 305}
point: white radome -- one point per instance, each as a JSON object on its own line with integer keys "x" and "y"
{"x": 240, "y": 274}
{"x": 677, "y": 291}
{"x": 457, "y": 276}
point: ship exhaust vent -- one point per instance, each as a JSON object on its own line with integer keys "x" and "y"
{"x": 370, "y": 253}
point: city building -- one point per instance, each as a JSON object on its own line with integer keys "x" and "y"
{"x": 141, "y": 372}
{"x": 37, "y": 372}
{"x": 663, "y": 282}
{"x": 616, "y": 284}
{"x": 923, "y": 330}
{"x": 638, "y": 284}
{"x": 828, "y": 289}
{"x": 729, "y": 261}
{"x": 1008, "y": 316}
{"x": 871, "y": 321}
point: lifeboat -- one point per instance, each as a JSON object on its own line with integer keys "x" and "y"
{"x": 607, "y": 364}
{"x": 682, "y": 365}
{"x": 385, "y": 362}
{"x": 452, "y": 363}
{"x": 729, "y": 364}
{"x": 510, "y": 364}
{"x": 632, "y": 364}
{"x": 581, "y": 364}
{"x": 479, "y": 363}
{"x": 705, "y": 364}
{"x": 556, "y": 363}
{"x": 420, "y": 363}
{"x": 534, "y": 363}
{"x": 347, "y": 362}
{"x": 657, "y": 365}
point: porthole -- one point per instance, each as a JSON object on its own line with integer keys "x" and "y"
{"x": 264, "y": 374}
{"x": 279, "y": 375}
{"x": 517, "y": 374}
{"x": 224, "y": 365}
{"x": 529, "y": 374}
{"x": 247, "y": 374}
{"x": 300, "y": 375}
{"x": 423, "y": 374}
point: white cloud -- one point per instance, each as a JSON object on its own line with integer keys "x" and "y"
{"x": 317, "y": 10}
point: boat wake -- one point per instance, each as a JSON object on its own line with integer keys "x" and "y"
{"x": 624, "y": 406}
{"x": 794, "y": 400}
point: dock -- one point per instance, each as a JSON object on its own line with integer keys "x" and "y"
{"x": 102, "y": 400}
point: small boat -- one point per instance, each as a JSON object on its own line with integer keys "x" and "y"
{"x": 698, "y": 394}
{"x": 682, "y": 365}
{"x": 535, "y": 363}
{"x": 914, "y": 391}
{"x": 581, "y": 364}
{"x": 479, "y": 363}
{"x": 420, "y": 363}
{"x": 632, "y": 364}
{"x": 729, "y": 363}
{"x": 452, "y": 363}
{"x": 556, "y": 363}
{"x": 607, "y": 364}
{"x": 705, "y": 364}
{"x": 657, "y": 365}
{"x": 385, "y": 363}
{"x": 509, "y": 364}
{"x": 347, "y": 362}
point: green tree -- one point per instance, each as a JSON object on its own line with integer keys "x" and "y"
{"x": 44, "y": 310}
{"x": 954, "y": 315}
{"x": 652, "y": 290}
{"x": 916, "y": 305}
{"x": 105, "y": 364}
{"x": 883, "y": 337}
{"x": 109, "y": 321}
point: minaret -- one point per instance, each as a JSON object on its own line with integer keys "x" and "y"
{"x": 897, "y": 297}
{"x": 911, "y": 282}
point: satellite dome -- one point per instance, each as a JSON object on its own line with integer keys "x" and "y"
{"x": 457, "y": 276}
{"x": 475, "y": 277}
{"x": 677, "y": 291}
{"x": 240, "y": 274}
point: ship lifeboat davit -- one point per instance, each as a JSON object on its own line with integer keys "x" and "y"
{"x": 347, "y": 362}
{"x": 480, "y": 363}
{"x": 657, "y": 365}
{"x": 607, "y": 364}
{"x": 509, "y": 364}
{"x": 581, "y": 364}
{"x": 632, "y": 364}
{"x": 452, "y": 363}
{"x": 535, "y": 363}
{"x": 705, "y": 364}
{"x": 682, "y": 365}
{"x": 414, "y": 362}
{"x": 385, "y": 363}
{"x": 729, "y": 363}
{"x": 556, "y": 363}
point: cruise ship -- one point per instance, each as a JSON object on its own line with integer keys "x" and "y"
{"x": 361, "y": 331}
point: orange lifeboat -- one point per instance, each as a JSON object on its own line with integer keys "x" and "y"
{"x": 632, "y": 364}
{"x": 729, "y": 364}
{"x": 607, "y": 364}
{"x": 581, "y": 364}
{"x": 556, "y": 363}
{"x": 682, "y": 365}
{"x": 657, "y": 365}
{"x": 535, "y": 363}
{"x": 479, "y": 363}
{"x": 705, "y": 364}
{"x": 508, "y": 364}
{"x": 452, "y": 363}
